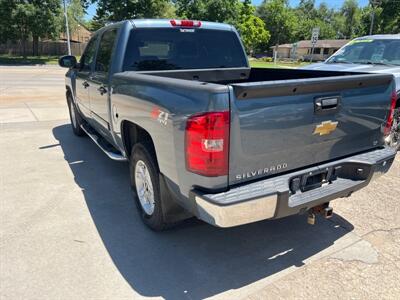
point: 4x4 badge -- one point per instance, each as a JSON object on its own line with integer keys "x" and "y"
{"x": 325, "y": 127}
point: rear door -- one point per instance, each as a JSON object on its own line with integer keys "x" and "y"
{"x": 83, "y": 76}
{"x": 99, "y": 93}
{"x": 279, "y": 126}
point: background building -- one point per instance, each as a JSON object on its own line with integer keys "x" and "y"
{"x": 302, "y": 49}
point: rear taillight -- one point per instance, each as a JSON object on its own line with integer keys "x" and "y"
{"x": 207, "y": 143}
{"x": 389, "y": 120}
{"x": 185, "y": 23}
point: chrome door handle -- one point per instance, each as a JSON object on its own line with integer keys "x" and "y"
{"x": 102, "y": 90}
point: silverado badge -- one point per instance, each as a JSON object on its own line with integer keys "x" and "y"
{"x": 325, "y": 127}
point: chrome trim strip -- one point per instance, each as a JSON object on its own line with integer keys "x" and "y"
{"x": 113, "y": 156}
{"x": 100, "y": 120}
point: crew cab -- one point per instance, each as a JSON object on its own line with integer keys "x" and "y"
{"x": 208, "y": 136}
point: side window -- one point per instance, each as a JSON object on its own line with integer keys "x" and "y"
{"x": 105, "y": 50}
{"x": 88, "y": 56}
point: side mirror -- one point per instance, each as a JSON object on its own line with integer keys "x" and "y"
{"x": 67, "y": 61}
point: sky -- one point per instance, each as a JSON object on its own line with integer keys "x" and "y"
{"x": 331, "y": 3}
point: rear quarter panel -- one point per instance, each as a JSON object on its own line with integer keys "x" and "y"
{"x": 140, "y": 99}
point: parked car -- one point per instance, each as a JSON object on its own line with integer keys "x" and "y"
{"x": 208, "y": 136}
{"x": 374, "y": 54}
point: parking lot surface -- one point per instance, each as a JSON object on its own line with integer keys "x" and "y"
{"x": 70, "y": 230}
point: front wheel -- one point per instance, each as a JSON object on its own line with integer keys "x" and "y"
{"x": 76, "y": 119}
{"x": 145, "y": 185}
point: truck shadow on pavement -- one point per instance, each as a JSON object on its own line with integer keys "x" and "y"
{"x": 194, "y": 260}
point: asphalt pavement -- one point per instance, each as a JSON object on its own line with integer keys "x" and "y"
{"x": 69, "y": 228}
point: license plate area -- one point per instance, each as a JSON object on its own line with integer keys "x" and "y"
{"x": 328, "y": 175}
{"x": 314, "y": 181}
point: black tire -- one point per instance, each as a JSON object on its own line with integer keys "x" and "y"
{"x": 142, "y": 152}
{"x": 75, "y": 117}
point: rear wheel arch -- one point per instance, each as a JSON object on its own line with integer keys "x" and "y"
{"x": 68, "y": 91}
{"x": 132, "y": 134}
{"x": 172, "y": 212}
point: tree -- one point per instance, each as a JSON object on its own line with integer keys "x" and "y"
{"x": 24, "y": 19}
{"x": 112, "y": 10}
{"x": 44, "y": 22}
{"x": 169, "y": 11}
{"x": 23, "y": 13}
{"x": 309, "y": 17}
{"x": 352, "y": 18}
{"x": 279, "y": 20}
{"x": 7, "y": 31}
{"x": 386, "y": 17}
{"x": 252, "y": 29}
{"x": 241, "y": 15}
{"x": 390, "y": 17}
{"x": 209, "y": 10}
{"x": 76, "y": 13}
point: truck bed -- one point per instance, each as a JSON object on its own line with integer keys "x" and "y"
{"x": 275, "y": 117}
{"x": 244, "y": 75}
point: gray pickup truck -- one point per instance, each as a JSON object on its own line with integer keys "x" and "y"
{"x": 208, "y": 136}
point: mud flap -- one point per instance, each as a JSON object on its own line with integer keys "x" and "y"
{"x": 172, "y": 211}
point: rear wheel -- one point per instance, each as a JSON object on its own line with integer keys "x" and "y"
{"x": 76, "y": 119}
{"x": 145, "y": 185}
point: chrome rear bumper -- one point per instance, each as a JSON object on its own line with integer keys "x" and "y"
{"x": 237, "y": 214}
{"x": 273, "y": 198}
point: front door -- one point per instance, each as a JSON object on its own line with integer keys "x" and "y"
{"x": 83, "y": 77}
{"x": 99, "y": 92}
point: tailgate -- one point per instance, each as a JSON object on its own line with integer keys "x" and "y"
{"x": 277, "y": 126}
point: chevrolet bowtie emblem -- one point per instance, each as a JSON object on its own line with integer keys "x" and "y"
{"x": 325, "y": 127}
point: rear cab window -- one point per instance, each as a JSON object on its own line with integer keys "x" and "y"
{"x": 176, "y": 48}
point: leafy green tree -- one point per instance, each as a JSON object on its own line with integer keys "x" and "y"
{"x": 24, "y": 19}
{"x": 169, "y": 11}
{"x": 390, "y": 17}
{"x": 112, "y": 10}
{"x": 7, "y": 31}
{"x": 23, "y": 16}
{"x": 209, "y": 10}
{"x": 352, "y": 17}
{"x": 279, "y": 20}
{"x": 340, "y": 25}
{"x": 309, "y": 17}
{"x": 252, "y": 29}
{"x": 386, "y": 17}
{"x": 76, "y": 14}
{"x": 44, "y": 21}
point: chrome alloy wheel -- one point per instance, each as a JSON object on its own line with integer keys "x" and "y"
{"x": 144, "y": 187}
{"x": 73, "y": 116}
